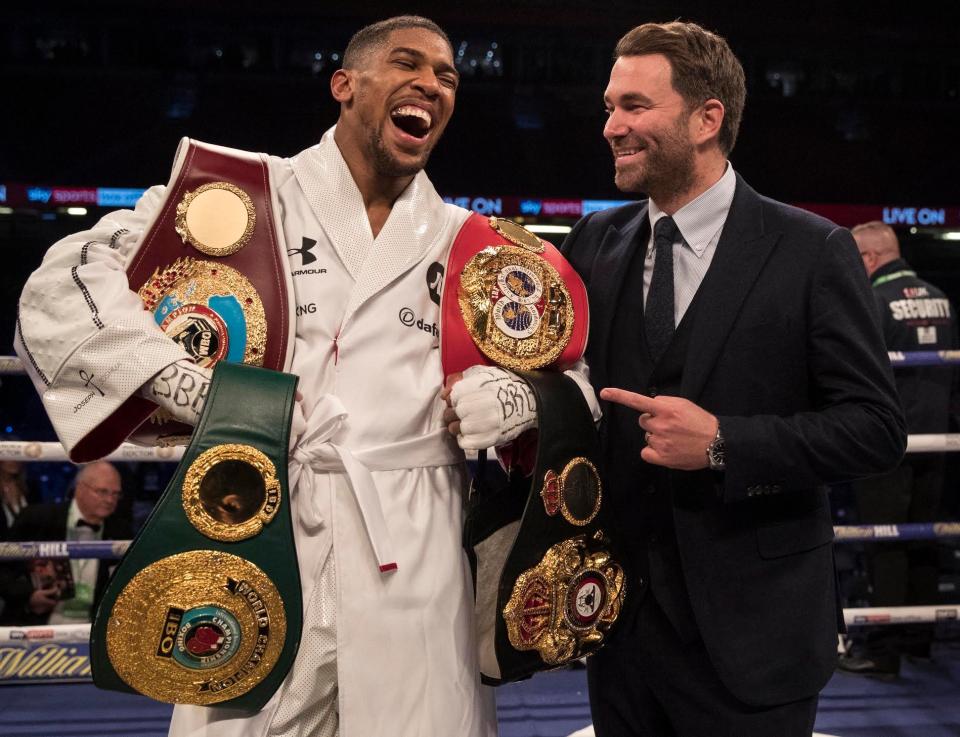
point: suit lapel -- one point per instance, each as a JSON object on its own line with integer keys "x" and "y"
{"x": 609, "y": 270}
{"x": 742, "y": 251}
{"x": 60, "y": 519}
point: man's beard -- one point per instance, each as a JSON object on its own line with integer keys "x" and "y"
{"x": 386, "y": 165}
{"x": 668, "y": 171}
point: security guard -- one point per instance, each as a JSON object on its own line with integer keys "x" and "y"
{"x": 916, "y": 316}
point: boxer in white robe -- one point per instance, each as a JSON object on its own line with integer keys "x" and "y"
{"x": 382, "y": 654}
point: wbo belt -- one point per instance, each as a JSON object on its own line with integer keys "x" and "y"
{"x": 317, "y": 452}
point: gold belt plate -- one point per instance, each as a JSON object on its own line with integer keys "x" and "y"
{"x": 563, "y": 606}
{"x": 217, "y": 218}
{"x": 209, "y": 308}
{"x": 230, "y": 492}
{"x": 196, "y": 628}
{"x": 516, "y": 307}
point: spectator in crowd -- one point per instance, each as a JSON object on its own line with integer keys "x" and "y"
{"x": 13, "y": 494}
{"x": 61, "y": 591}
{"x": 13, "y": 499}
{"x": 916, "y": 316}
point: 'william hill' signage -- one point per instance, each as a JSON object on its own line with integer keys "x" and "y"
{"x": 44, "y": 662}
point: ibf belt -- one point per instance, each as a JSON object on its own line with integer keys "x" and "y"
{"x": 549, "y": 584}
{"x": 212, "y": 271}
{"x": 510, "y": 299}
{"x": 205, "y": 607}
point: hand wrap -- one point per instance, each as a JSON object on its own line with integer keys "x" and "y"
{"x": 494, "y": 407}
{"x": 180, "y": 389}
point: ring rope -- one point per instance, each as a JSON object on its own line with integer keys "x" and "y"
{"x": 901, "y": 614}
{"x": 903, "y": 531}
{"x": 13, "y": 365}
{"x": 21, "y": 450}
{"x": 18, "y": 450}
{"x": 860, "y": 616}
{"x": 924, "y": 358}
{"x": 73, "y": 549}
{"x": 113, "y": 549}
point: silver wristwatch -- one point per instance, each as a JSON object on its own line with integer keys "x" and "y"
{"x": 717, "y": 452}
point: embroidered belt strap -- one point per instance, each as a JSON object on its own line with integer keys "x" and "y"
{"x": 212, "y": 268}
{"x": 206, "y": 608}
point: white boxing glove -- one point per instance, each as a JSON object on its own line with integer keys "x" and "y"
{"x": 494, "y": 407}
{"x": 180, "y": 389}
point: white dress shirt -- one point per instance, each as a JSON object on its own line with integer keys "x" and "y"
{"x": 700, "y": 223}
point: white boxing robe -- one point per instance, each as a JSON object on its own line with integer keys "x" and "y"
{"x": 367, "y": 353}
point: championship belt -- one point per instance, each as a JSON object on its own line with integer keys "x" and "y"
{"x": 212, "y": 269}
{"x": 548, "y": 585}
{"x": 510, "y": 299}
{"x": 205, "y": 607}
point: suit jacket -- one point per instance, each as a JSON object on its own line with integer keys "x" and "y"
{"x": 39, "y": 522}
{"x": 4, "y": 527}
{"x": 785, "y": 348}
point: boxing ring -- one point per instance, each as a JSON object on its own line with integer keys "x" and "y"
{"x": 35, "y": 662}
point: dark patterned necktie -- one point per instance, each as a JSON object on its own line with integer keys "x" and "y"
{"x": 658, "y": 311}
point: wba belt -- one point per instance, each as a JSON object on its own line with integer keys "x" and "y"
{"x": 212, "y": 270}
{"x": 205, "y": 608}
{"x": 548, "y": 585}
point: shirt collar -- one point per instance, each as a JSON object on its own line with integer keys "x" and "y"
{"x": 73, "y": 516}
{"x": 890, "y": 268}
{"x": 701, "y": 219}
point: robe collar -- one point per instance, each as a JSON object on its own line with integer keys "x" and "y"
{"x": 415, "y": 223}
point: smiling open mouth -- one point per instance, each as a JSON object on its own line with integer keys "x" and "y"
{"x": 412, "y": 120}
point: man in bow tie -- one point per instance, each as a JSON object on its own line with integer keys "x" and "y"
{"x": 62, "y": 591}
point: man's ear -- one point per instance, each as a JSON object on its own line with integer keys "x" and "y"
{"x": 341, "y": 85}
{"x": 707, "y": 121}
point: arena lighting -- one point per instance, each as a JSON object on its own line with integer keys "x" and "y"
{"x": 951, "y": 235}
{"x": 547, "y": 228}
{"x": 76, "y": 211}
{"x": 6, "y": 211}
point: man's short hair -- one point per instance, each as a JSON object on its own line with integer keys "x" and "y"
{"x": 703, "y": 68}
{"x": 376, "y": 34}
{"x": 873, "y": 226}
{"x": 882, "y": 238}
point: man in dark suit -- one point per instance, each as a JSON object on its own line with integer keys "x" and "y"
{"x": 39, "y": 598}
{"x": 13, "y": 494}
{"x": 750, "y": 371}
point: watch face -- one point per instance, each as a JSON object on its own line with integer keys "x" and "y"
{"x": 717, "y": 453}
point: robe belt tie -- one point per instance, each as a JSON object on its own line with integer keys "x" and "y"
{"x": 315, "y": 451}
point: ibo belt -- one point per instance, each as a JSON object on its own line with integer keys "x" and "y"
{"x": 205, "y": 608}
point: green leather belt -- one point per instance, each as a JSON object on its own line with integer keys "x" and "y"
{"x": 205, "y": 608}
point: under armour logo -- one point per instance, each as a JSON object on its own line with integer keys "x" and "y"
{"x": 304, "y": 251}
